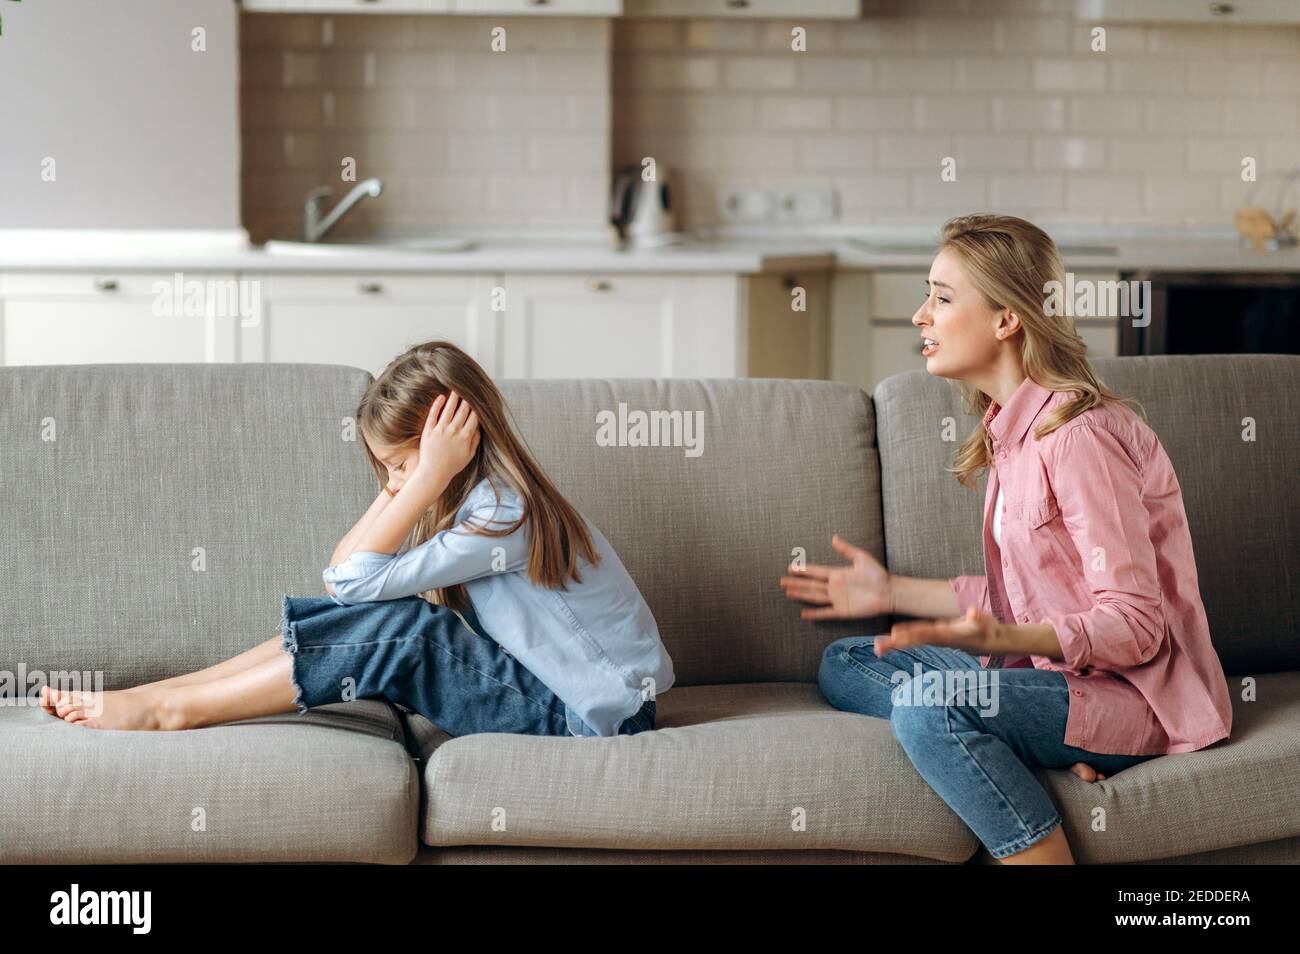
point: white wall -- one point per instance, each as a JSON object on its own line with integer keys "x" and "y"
{"x": 144, "y": 131}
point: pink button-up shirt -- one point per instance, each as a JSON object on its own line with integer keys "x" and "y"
{"x": 1095, "y": 543}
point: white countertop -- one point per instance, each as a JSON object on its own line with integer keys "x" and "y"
{"x": 229, "y": 251}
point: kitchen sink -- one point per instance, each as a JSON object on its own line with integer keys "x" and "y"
{"x": 422, "y": 246}
{"x": 918, "y": 248}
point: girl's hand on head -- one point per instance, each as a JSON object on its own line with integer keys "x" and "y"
{"x": 856, "y": 591}
{"x": 449, "y": 440}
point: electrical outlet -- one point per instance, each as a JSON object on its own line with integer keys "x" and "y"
{"x": 746, "y": 204}
{"x": 806, "y": 204}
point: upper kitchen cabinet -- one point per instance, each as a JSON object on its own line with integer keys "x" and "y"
{"x": 1190, "y": 11}
{"x": 803, "y": 9}
{"x": 348, "y": 6}
{"x": 561, "y": 8}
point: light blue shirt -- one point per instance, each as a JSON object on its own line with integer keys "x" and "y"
{"x": 594, "y": 644}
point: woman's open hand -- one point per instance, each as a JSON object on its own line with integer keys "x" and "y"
{"x": 448, "y": 441}
{"x": 856, "y": 591}
{"x": 977, "y": 633}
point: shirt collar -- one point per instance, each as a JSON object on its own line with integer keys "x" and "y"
{"x": 1008, "y": 423}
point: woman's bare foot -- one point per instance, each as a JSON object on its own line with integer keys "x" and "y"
{"x": 141, "y": 710}
{"x": 1086, "y": 772}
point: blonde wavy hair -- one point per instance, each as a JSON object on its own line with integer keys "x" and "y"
{"x": 393, "y": 410}
{"x": 1010, "y": 261}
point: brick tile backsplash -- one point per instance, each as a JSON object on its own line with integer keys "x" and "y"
{"x": 460, "y": 134}
{"x": 1151, "y": 131}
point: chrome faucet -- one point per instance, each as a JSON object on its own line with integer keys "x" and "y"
{"x": 314, "y": 228}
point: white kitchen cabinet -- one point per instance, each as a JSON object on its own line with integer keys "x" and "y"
{"x": 347, "y": 6}
{"x": 1190, "y": 11}
{"x": 116, "y": 317}
{"x": 894, "y": 343}
{"x": 557, "y": 8}
{"x": 622, "y": 326}
{"x": 804, "y": 9}
{"x": 561, "y": 8}
{"x": 366, "y": 320}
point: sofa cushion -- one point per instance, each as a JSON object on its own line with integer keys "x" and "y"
{"x": 156, "y": 514}
{"x": 333, "y": 785}
{"x": 730, "y": 767}
{"x": 783, "y": 466}
{"x": 1240, "y": 495}
{"x": 1238, "y": 792}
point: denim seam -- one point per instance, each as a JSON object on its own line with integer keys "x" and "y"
{"x": 867, "y": 671}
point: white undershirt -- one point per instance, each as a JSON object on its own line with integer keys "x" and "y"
{"x": 997, "y": 517}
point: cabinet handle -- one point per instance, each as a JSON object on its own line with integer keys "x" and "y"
{"x": 738, "y": 4}
{"x": 1222, "y": 9}
{"x": 598, "y": 285}
{"x": 538, "y": 3}
{"x": 370, "y": 288}
{"x": 106, "y": 284}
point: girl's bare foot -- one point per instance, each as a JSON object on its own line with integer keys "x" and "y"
{"x": 141, "y": 710}
{"x": 1086, "y": 772}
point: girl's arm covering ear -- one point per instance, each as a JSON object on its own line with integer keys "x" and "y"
{"x": 453, "y": 556}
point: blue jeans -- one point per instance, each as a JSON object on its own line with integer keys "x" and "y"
{"x": 975, "y": 755}
{"x": 424, "y": 658}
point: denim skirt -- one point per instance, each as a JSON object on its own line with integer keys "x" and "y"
{"x": 425, "y": 658}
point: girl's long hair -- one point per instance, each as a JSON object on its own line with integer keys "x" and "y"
{"x": 393, "y": 411}
{"x": 1011, "y": 262}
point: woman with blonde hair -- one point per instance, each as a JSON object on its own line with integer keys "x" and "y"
{"x": 1089, "y": 629}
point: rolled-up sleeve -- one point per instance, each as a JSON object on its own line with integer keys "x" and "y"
{"x": 1098, "y": 489}
{"x": 971, "y": 591}
{"x": 450, "y": 557}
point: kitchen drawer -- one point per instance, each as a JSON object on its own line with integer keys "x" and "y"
{"x": 557, "y": 8}
{"x": 897, "y": 294}
{"x": 347, "y": 6}
{"x": 836, "y": 9}
{"x": 106, "y": 285}
{"x": 333, "y": 287}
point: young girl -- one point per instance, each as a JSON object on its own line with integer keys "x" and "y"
{"x": 538, "y": 629}
{"x": 1090, "y": 590}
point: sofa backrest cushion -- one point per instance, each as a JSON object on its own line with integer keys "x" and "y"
{"x": 1240, "y": 495}
{"x": 156, "y": 514}
{"x": 783, "y": 465}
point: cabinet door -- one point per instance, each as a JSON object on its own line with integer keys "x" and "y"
{"x": 557, "y": 8}
{"x": 118, "y": 317}
{"x": 1189, "y": 11}
{"x": 787, "y": 325}
{"x": 837, "y": 9}
{"x": 367, "y": 320}
{"x": 347, "y": 6}
{"x": 621, "y": 326}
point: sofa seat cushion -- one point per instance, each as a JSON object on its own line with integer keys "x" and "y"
{"x": 333, "y": 785}
{"x": 729, "y": 767}
{"x": 1241, "y": 791}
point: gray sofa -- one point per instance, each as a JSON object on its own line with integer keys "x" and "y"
{"x": 156, "y": 514}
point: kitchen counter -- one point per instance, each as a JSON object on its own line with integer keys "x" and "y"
{"x": 229, "y": 251}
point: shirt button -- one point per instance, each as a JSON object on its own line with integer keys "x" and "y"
{"x": 1024, "y": 619}
{"x": 1006, "y": 562}
{"x": 1078, "y": 692}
